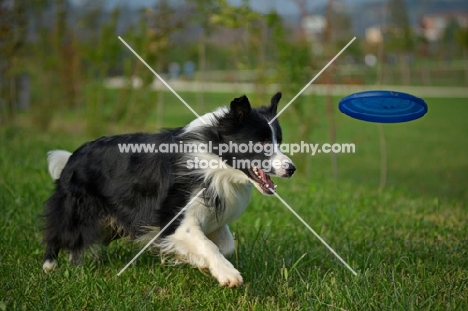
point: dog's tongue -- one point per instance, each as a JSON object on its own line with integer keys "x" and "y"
{"x": 266, "y": 180}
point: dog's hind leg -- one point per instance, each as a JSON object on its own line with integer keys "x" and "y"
{"x": 71, "y": 223}
{"x": 50, "y": 257}
{"x": 76, "y": 257}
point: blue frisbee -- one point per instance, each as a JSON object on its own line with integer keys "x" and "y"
{"x": 383, "y": 106}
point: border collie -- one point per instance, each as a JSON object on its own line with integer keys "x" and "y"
{"x": 102, "y": 193}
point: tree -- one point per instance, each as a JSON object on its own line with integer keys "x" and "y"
{"x": 99, "y": 51}
{"x": 293, "y": 65}
{"x": 13, "y": 29}
{"x": 151, "y": 39}
{"x": 399, "y": 37}
{"x": 461, "y": 37}
{"x": 212, "y": 15}
{"x": 399, "y": 30}
{"x": 339, "y": 24}
{"x": 53, "y": 63}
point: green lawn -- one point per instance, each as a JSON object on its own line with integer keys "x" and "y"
{"x": 409, "y": 242}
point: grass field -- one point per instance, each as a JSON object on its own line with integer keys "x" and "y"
{"x": 408, "y": 243}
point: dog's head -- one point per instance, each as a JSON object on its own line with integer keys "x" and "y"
{"x": 253, "y": 143}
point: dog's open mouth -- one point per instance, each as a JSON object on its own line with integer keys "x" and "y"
{"x": 262, "y": 181}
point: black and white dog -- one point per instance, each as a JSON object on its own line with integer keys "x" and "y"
{"x": 103, "y": 193}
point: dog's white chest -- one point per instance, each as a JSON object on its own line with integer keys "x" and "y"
{"x": 236, "y": 202}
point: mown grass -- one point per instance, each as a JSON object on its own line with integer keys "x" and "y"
{"x": 409, "y": 242}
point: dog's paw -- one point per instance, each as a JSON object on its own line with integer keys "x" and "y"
{"x": 49, "y": 265}
{"x": 227, "y": 276}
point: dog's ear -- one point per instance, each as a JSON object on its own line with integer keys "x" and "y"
{"x": 241, "y": 107}
{"x": 274, "y": 102}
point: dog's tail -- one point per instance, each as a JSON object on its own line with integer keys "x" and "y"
{"x": 57, "y": 160}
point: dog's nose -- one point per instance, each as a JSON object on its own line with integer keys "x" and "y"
{"x": 290, "y": 169}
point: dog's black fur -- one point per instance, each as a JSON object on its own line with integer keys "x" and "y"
{"x": 103, "y": 194}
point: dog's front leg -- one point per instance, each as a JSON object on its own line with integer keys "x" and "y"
{"x": 192, "y": 245}
{"x": 223, "y": 239}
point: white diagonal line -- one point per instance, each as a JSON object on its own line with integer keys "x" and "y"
{"x": 161, "y": 231}
{"x": 311, "y": 81}
{"x": 315, "y": 233}
{"x": 162, "y": 80}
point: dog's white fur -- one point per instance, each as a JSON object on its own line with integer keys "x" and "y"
{"x": 203, "y": 238}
